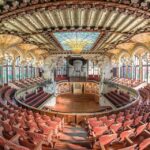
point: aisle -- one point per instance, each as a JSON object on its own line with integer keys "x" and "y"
{"x": 73, "y": 138}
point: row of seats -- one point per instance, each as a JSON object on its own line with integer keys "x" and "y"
{"x": 124, "y": 127}
{"x": 144, "y": 92}
{"x": 118, "y": 98}
{"x": 36, "y": 99}
{"x": 27, "y": 82}
{"x": 127, "y": 82}
{"x": 22, "y": 129}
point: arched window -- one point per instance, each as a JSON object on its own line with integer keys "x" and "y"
{"x": 7, "y": 70}
{"x": 122, "y": 68}
{"x": 146, "y": 67}
{"x": 136, "y": 67}
{"x": 18, "y": 72}
{"x": 61, "y": 67}
{"x": 29, "y": 67}
{"x": 93, "y": 69}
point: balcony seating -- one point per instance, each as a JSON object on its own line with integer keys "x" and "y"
{"x": 27, "y": 82}
{"x": 118, "y": 99}
{"x": 127, "y": 82}
{"x": 3, "y": 90}
{"x": 36, "y": 100}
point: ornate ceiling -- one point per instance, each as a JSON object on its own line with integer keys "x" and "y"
{"x": 121, "y": 24}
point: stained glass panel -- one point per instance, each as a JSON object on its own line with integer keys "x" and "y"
{"x": 71, "y": 41}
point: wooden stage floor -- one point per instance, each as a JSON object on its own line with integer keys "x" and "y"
{"x": 78, "y": 103}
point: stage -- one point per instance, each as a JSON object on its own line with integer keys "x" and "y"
{"x": 78, "y": 103}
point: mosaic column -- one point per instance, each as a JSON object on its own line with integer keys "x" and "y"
{"x": 1, "y": 71}
{"x": 140, "y": 69}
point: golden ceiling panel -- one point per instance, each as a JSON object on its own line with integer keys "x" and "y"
{"x": 27, "y": 47}
{"x": 140, "y": 51}
{"x": 141, "y": 38}
{"x": 114, "y": 51}
{"x": 126, "y": 46}
{"x": 113, "y": 25}
{"x": 39, "y": 51}
{"x": 7, "y": 40}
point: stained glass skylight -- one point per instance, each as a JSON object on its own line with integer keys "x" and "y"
{"x": 77, "y": 41}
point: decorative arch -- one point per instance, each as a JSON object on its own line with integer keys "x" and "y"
{"x": 139, "y": 46}
{"x": 120, "y": 55}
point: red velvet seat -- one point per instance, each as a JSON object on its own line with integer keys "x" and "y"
{"x": 125, "y": 135}
{"x": 132, "y": 147}
{"x": 106, "y": 139}
{"x": 116, "y": 127}
{"x": 144, "y": 144}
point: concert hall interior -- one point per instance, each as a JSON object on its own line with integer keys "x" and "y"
{"x": 74, "y": 74}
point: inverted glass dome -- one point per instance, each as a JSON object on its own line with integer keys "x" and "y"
{"x": 77, "y": 41}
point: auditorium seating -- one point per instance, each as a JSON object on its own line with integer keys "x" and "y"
{"x": 127, "y": 82}
{"x": 110, "y": 129}
{"x": 24, "y": 83}
{"x": 36, "y": 99}
{"x": 24, "y": 129}
{"x": 144, "y": 92}
{"x": 118, "y": 98}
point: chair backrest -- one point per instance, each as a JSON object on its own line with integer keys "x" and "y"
{"x": 126, "y": 134}
{"x": 127, "y": 123}
{"x": 104, "y": 118}
{"x": 19, "y": 131}
{"x": 137, "y": 120}
{"x": 144, "y": 144}
{"x": 106, "y": 139}
{"x": 145, "y": 116}
{"x": 116, "y": 127}
{"x": 140, "y": 129}
{"x": 120, "y": 119}
{"x": 100, "y": 130}
{"x": 109, "y": 122}
{"x": 96, "y": 123}
{"x": 36, "y": 137}
{"x": 7, "y": 127}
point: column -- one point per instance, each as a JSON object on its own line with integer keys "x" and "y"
{"x": 1, "y": 73}
{"x": 13, "y": 72}
{"x": 140, "y": 68}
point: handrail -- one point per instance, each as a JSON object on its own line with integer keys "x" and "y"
{"x": 82, "y": 114}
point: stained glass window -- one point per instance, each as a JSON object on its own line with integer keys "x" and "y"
{"x": 17, "y": 69}
{"x": 80, "y": 41}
